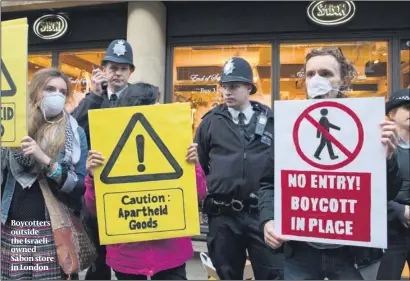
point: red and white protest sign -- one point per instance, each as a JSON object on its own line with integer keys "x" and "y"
{"x": 330, "y": 171}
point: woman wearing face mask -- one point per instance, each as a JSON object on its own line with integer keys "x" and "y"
{"x": 398, "y": 210}
{"x": 51, "y": 158}
{"x": 159, "y": 259}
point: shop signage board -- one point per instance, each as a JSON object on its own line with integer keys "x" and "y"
{"x": 51, "y": 27}
{"x": 146, "y": 190}
{"x": 14, "y": 41}
{"x": 331, "y": 13}
{"x": 330, "y": 171}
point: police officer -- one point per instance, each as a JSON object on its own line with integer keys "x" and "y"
{"x": 107, "y": 85}
{"x": 328, "y": 73}
{"x": 234, "y": 140}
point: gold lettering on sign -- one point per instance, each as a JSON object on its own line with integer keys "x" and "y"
{"x": 331, "y": 10}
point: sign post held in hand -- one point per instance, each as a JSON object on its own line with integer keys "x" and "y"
{"x": 330, "y": 171}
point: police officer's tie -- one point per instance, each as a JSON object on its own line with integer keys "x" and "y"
{"x": 113, "y": 99}
{"x": 241, "y": 123}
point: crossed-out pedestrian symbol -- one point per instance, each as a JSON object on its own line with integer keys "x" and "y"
{"x": 323, "y": 131}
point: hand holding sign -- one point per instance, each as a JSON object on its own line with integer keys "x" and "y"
{"x": 192, "y": 153}
{"x": 271, "y": 238}
{"x": 94, "y": 160}
{"x": 389, "y": 137}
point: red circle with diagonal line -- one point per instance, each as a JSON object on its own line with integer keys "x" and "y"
{"x": 350, "y": 155}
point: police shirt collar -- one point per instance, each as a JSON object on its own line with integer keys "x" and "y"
{"x": 109, "y": 93}
{"x": 248, "y": 112}
{"x": 403, "y": 143}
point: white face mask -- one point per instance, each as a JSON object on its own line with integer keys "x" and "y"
{"x": 319, "y": 86}
{"x": 52, "y": 104}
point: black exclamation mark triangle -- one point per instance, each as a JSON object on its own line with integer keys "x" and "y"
{"x": 13, "y": 88}
{"x": 140, "y": 150}
{"x": 140, "y": 140}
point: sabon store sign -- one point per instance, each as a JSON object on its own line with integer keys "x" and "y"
{"x": 331, "y": 13}
{"x": 51, "y": 26}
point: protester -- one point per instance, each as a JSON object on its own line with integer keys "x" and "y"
{"x": 107, "y": 86}
{"x": 328, "y": 73}
{"x": 160, "y": 259}
{"x": 234, "y": 140}
{"x": 398, "y": 250}
{"x": 51, "y": 157}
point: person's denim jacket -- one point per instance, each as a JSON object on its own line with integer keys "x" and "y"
{"x": 71, "y": 199}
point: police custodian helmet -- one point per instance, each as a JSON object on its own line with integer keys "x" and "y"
{"x": 398, "y": 98}
{"x": 238, "y": 70}
{"x": 119, "y": 51}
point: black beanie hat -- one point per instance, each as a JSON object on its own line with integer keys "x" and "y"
{"x": 397, "y": 99}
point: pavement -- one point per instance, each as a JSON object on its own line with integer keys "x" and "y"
{"x": 195, "y": 270}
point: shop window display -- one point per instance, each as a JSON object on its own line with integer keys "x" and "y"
{"x": 197, "y": 70}
{"x": 37, "y": 62}
{"x": 405, "y": 64}
{"x": 370, "y": 59}
{"x": 78, "y": 66}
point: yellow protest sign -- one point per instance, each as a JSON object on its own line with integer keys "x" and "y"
{"x": 146, "y": 190}
{"x": 13, "y": 81}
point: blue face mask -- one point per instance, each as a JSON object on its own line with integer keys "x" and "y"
{"x": 319, "y": 86}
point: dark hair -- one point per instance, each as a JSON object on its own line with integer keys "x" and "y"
{"x": 139, "y": 94}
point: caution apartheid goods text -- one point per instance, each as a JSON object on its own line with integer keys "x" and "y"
{"x": 146, "y": 190}
{"x": 146, "y": 211}
{"x": 331, "y": 170}
{"x": 13, "y": 82}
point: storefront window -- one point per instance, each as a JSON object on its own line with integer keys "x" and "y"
{"x": 197, "y": 71}
{"x": 369, "y": 58}
{"x": 405, "y": 63}
{"x": 37, "y": 62}
{"x": 79, "y": 66}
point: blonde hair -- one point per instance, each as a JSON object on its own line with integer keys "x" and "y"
{"x": 38, "y": 128}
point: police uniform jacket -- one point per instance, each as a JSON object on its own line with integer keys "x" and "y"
{"x": 233, "y": 165}
{"x": 90, "y": 101}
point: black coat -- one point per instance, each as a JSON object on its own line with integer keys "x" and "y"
{"x": 232, "y": 166}
{"x": 90, "y": 101}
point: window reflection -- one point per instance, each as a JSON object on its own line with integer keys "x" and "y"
{"x": 405, "y": 63}
{"x": 369, "y": 58}
{"x": 197, "y": 71}
{"x": 78, "y": 66}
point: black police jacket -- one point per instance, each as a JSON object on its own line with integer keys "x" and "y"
{"x": 232, "y": 166}
{"x": 90, "y": 101}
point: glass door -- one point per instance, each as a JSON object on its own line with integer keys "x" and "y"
{"x": 78, "y": 65}
{"x": 405, "y": 63}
